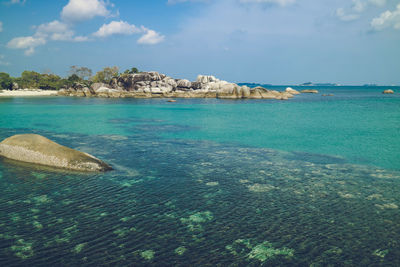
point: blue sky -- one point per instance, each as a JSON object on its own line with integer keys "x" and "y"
{"x": 266, "y": 41}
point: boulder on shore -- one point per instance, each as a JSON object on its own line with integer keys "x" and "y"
{"x": 153, "y": 84}
{"x": 290, "y": 90}
{"x": 33, "y": 148}
{"x": 388, "y": 91}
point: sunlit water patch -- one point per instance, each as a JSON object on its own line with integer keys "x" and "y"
{"x": 207, "y": 182}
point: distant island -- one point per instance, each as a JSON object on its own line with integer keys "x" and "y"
{"x": 318, "y": 84}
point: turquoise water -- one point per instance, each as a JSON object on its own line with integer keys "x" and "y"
{"x": 313, "y": 180}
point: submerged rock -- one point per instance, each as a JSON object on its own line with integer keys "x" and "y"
{"x": 309, "y": 91}
{"x": 290, "y": 90}
{"x": 37, "y": 149}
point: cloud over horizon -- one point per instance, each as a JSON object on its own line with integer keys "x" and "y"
{"x": 117, "y": 27}
{"x": 77, "y": 11}
{"x": 80, "y": 10}
{"x": 387, "y": 19}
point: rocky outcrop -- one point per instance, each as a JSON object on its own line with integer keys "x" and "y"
{"x": 309, "y": 91}
{"x": 290, "y": 90}
{"x": 153, "y": 84}
{"x": 37, "y": 149}
{"x": 15, "y": 86}
{"x": 388, "y": 91}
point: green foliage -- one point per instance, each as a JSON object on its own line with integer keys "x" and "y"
{"x": 5, "y": 81}
{"x": 74, "y": 78}
{"x": 29, "y": 79}
{"x": 81, "y": 72}
{"x": 32, "y": 79}
{"x": 50, "y": 82}
{"x": 105, "y": 75}
{"x": 131, "y": 71}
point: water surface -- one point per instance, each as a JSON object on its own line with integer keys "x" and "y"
{"x": 310, "y": 181}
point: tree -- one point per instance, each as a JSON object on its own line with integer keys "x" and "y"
{"x": 131, "y": 71}
{"x": 81, "y": 72}
{"x": 6, "y": 81}
{"x": 105, "y": 75}
{"x": 74, "y": 78}
{"x": 29, "y": 79}
{"x": 49, "y": 82}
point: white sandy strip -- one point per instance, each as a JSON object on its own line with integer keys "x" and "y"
{"x": 16, "y": 93}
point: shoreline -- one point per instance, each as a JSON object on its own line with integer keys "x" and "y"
{"x": 27, "y": 92}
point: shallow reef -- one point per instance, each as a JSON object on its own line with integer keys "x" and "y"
{"x": 200, "y": 203}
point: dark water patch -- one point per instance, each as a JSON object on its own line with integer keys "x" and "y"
{"x": 133, "y": 120}
{"x": 316, "y": 158}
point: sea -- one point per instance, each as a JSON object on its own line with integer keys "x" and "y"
{"x": 311, "y": 181}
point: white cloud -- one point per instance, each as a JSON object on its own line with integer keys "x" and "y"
{"x": 1, "y": 26}
{"x": 58, "y": 31}
{"x": 173, "y": 2}
{"x": 387, "y": 19}
{"x": 55, "y": 30}
{"x": 279, "y": 2}
{"x": 80, "y": 10}
{"x": 341, "y": 14}
{"x": 28, "y": 43}
{"x": 117, "y": 27}
{"x": 151, "y": 37}
{"x": 81, "y": 39}
{"x": 378, "y": 2}
{"x": 12, "y": 2}
{"x": 358, "y": 7}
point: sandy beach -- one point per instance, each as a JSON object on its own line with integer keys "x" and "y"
{"x": 26, "y": 92}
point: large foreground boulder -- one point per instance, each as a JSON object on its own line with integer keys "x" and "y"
{"x": 37, "y": 149}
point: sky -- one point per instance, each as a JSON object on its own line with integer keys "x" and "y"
{"x": 263, "y": 41}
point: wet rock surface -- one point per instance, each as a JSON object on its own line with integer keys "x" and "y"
{"x": 33, "y": 148}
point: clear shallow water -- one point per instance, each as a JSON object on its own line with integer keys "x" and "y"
{"x": 310, "y": 181}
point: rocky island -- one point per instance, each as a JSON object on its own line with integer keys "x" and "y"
{"x": 155, "y": 85}
{"x": 33, "y": 148}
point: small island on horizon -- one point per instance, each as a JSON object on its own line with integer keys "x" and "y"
{"x": 132, "y": 83}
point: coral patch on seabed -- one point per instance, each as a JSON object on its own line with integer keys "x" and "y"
{"x": 262, "y": 252}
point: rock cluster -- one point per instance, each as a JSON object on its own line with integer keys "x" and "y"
{"x": 37, "y": 149}
{"x": 153, "y": 84}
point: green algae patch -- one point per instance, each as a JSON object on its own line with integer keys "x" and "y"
{"x": 240, "y": 247}
{"x": 37, "y": 225}
{"x": 121, "y": 232}
{"x": 260, "y": 188}
{"x": 43, "y": 199}
{"x": 39, "y": 176}
{"x": 147, "y": 254}
{"x": 78, "y": 248}
{"x": 195, "y": 220}
{"x": 23, "y": 249}
{"x": 180, "y": 250}
{"x": 265, "y": 251}
{"x": 201, "y": 217}
{"x": 380, "y": 253}
{"x": 262, "y": 252}
{"x": 387, "y": 206}
{"x": 212, "y": 183}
